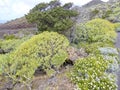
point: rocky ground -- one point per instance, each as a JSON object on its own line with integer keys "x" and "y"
{"x": 118, "y": 46}
{"x": 18, "y": 27}
{"x": 97, "y": 9}
{"x": 43, "y": 82}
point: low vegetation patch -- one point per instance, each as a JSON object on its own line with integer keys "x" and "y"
{"x": 98, "y": 70}
{"x": 90, "y": 74}
{"x": 97, "y": 30}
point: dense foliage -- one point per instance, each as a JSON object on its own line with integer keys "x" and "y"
{"x": 17, "y": 70}
{"x": 46, "y": 50}
{"x": 52, "y": 16}
{"x": 117, "y": 27}
{"x": 97, "y": 30}
{"x": 89, "y": 74}
{"x": 93, "y": 47}
{"x": 11, "y": 44}
{"x": 7, "y": 37}
{"x": 98, "y": 70}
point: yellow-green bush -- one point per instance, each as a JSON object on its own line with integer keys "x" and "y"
{"x": 47, "y": 49}
{"x": 96, "y": 30}
{"x": 18, "y": 70}
{"x": 12, "y": 44}
{"x": 93, "y": 48}
{"x": 89, "y": 74}
{"x": 117, "y": 27}
{"x": 96, "y": 72}
{"x": 7, "y": 37}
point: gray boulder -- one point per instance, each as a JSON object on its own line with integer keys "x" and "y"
{"x": 108, "y": 51}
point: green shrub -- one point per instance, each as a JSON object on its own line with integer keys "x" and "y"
{"x": 47, "y": 49}
{"x": 107, "y": 14}
{"x": 56, "y": 18}
{"x": 117, "y": 27}
{"x": 12, "y": 44}
{"x": 97, "y": 30}
{"x": 7, "y": 37}
{"x": 94, "y": 13}
{"x": 90, "y": 74}
{"x": 96, "y": 72}
{"x": 0, "y": 43}
{"x": 93, "y": 48}
{"x": 17, "y": 70}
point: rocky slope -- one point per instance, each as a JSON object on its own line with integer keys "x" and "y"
{"x": 97, "y": 9}
{"x": 94, "y": 9}
{"x": 16, "y": 24}
{"x": 93, "y": 2}
{"x": 19, "y": 27}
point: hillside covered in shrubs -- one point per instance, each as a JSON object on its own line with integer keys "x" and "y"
{"x": 63, "y": 54}
{"x": 98, "y": 9}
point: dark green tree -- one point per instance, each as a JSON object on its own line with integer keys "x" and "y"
{"x": 52, "y": 16}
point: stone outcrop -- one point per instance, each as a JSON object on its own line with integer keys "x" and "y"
{"x": 99, "y": 9}
{"x": 17, "y": 24}
{"x": 114, "y": 1}
{"x": 93, "y": 2}
{"x": 74, "y": 53}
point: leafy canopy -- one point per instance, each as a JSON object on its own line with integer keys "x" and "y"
{"x": 52, "y": 16}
